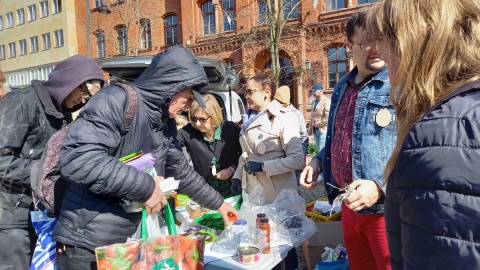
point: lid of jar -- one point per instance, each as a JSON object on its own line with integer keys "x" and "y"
{"x": 264, "y": 220}
{"x": 241, "y": 222}
{"x": 261, "y": 215}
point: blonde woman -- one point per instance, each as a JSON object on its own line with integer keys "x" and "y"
{"x": 432, "y": 206}
{"x": 212, "y": 144}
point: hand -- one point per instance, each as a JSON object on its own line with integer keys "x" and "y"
{"x": 308, "y": 177}
{"x": 157, "y": 200}
{"x": 224, "y": 174}
{"x": 236, "y": 186}
{"x": 252, "y": 167}
{"x": 224, "y": 210}
{"x": 365, "y": 193}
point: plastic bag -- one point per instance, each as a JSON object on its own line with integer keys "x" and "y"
{"x": 291, "y": 206}
{"x": 45, "y": 254}
{"x": 230, "y": 239}
{"x": 336, "y": 265}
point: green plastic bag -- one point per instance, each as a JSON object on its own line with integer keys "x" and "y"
{"x": 169, "y": 220}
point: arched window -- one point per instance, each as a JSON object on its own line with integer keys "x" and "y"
{"x": 337, "y": 65}
{"x": 171, "y": 30}
{"x": 228, "y": 9}
{"x": 208, "y": 18}
{"x": 100, "y": 35}
{"x": 122, "y": 39}
{"x": 145, "y": 34}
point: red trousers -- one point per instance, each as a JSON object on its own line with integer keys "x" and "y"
{"x": 365, "y": 240}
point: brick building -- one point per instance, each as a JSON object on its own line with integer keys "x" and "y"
{"x": 312, "y": 46}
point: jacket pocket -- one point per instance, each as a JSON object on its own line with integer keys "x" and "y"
{"x": 381, "y": 107}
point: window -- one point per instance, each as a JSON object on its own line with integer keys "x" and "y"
{"x": 101, "y": 44}
{"x": 228, "y": 8}
{"x": 57, "y": 6}
{"x": 46, "y": 41}
{"x": 10, "y": 20}
{"x": 98, "y": 3}
{"x": 337, "y": 65}
{"x": 34, "y": 44}
{"x": 365, "y": 1}
{"x": 290, "y": 9}
{"x": 262, "y": 12}
{"x": 122, "y": 39}
{"x": 23, "y": 46}
{"x": 59, "y": 38}
{"x": 171, "y": 30}
{"x": 2, "y": 52}
{"x": 44, "y": 9}
{"x": 208, "y": 18}
{"x": 335, "y": 4}
{"x": 32, "y": 12}
{"x": 20, "y": 16}
{"x": 145, "y": 34}
{"x": 1, "y": 23}
{"x": 13, "y": 49}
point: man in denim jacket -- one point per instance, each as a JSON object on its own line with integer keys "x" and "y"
{"x": 361, "y": 135}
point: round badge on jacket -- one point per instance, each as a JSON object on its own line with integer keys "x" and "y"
{"x": 261, "y": 148}
{"x": 383, "y": 118}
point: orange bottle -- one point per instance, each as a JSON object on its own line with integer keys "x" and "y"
{"x": 265, "y": 226}
{"x": 260, "y": 216}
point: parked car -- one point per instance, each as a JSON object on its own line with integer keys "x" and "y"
{"x": 221, "y": 80}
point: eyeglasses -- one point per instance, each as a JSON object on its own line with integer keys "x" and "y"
{"x": 250, "y": 92}
{"x": 202, "y": 120}
{"x": 85, "y": 93}
{"x": 364, "y": 45}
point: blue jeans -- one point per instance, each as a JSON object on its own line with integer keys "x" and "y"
{"x": 319, "y": 139}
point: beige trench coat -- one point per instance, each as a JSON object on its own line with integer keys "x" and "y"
{"x": 273, "y": 139}
{"x": 319, "y": 117}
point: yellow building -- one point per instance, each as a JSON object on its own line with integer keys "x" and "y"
{"x": 34, "y": 36}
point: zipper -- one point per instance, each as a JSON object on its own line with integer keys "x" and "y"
{"x": 17, "y": 204}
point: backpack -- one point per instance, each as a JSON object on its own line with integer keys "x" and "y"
{"x": 45, "y": 172}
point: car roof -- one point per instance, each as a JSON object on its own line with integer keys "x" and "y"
{"x": 130, "y": 67}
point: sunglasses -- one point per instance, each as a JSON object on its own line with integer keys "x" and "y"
{"x": 201, "y": 120}
{"x": 85, "y": 93}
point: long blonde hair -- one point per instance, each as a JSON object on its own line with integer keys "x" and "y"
{"x": 437, "y": 43}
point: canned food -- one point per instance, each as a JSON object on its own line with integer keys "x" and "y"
{"x": 248, "y": 255}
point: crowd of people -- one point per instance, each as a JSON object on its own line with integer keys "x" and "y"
{"x": 397, "y": 144}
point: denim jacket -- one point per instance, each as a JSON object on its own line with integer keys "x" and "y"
{"x": 372, "y": 144}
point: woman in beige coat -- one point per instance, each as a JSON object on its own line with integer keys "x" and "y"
{"x": 270, "y": 141}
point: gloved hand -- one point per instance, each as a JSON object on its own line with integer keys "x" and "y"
{"x": 252, "y": 167}
{"x": 236, "y": 186}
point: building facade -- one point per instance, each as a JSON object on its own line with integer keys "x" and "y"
{"x": 311, "y": 48}
{"x": 37, "y": 34}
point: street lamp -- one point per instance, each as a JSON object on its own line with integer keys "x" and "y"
{"x": 308, "y": 65}
{"x": 312, "y": 74}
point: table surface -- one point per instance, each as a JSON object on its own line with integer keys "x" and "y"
{"x": 267, "y": 261}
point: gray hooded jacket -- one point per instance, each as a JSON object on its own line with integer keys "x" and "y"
{"x": 91, "y": 215}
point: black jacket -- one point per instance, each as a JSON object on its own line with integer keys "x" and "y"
{"x": 432, "y": 205}
{"x": 91, "y": 215}
{"x": 28, "y": 119}
{"x": 227, "y": 151}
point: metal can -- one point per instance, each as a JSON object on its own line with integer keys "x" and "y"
{"x": 248, "y": 255}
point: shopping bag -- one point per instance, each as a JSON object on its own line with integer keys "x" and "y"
{"x": 45, "y": 255}
{"x": 156, "y": 253}
{"x": 335, "y": 265}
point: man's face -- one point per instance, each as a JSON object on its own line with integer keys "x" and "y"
{"x": 181, "y": 102}
{"x": 367, "y": 62}
{"x": 317, "y": 94}
{"x": 75, "y": 97}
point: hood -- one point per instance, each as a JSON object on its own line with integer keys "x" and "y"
{"x": 170, "y": 71}
{"x": 68, "y": 75}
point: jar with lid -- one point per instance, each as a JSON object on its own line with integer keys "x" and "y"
{"x": 259, "y": 216}
{"x": 264, "y": 225}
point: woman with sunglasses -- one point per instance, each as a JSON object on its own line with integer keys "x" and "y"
{"x": 212, "y": 144}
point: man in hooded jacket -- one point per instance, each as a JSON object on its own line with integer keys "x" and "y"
{"x": 91, "y": 215}
{"x": 28, "y": 118}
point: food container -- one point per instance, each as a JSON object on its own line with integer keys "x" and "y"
{"x": 194, "y": 210}
{"x": 248, "y": 254}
